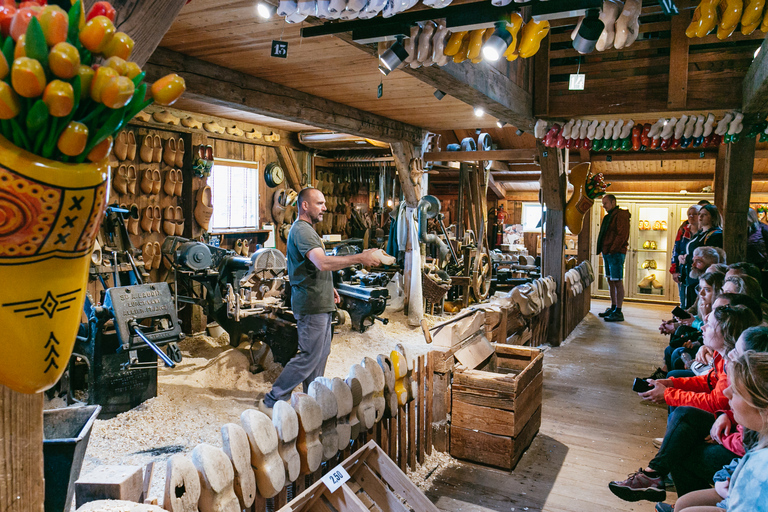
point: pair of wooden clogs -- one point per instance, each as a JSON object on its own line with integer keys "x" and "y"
{"x": 241, "y": 247}
{"x": 125, "y": 145}
{"x": 151, "y": 181}
{"x": 174, "y": 182}
{"x": 173, "y": 152}
{"x": 173, "y": 221}
{"x": 152, "y": 255}
{"x": 151, "y": 149}
{"x": 125, "y": 179}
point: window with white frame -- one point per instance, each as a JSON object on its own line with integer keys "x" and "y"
{"x": 235, "y": 189}
{"x": 531, "y": 216}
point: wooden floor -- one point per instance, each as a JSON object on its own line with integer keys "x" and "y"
{"x": 594, "y": 428}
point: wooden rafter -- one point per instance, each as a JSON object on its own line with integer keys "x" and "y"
{"x": 146, "y": 21}
{"x": 755, "y": 88}
{"x": 225, "y": 87}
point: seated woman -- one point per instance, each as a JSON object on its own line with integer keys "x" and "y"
{"x": 687, "y": 338}
{"x": 747, "y": 489}
{"x": 687, "y": 428}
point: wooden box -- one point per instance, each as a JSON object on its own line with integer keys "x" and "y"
{"x": 496, "y": 411}
{"x": 376, "y": 483}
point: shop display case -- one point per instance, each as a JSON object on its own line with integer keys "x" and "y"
{"x": 653, "y": 228}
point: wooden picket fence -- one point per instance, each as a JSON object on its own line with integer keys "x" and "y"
{"x": 406, "y": 439}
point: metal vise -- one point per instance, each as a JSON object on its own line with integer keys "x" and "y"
{"x": 116, "y": 352}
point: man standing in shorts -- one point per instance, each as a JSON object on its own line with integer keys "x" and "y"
{"x": 612, "y": 242}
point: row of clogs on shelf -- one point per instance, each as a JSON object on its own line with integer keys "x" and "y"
{"x": 262, "y": 454}
{"x": 620, "y": 135}
{"x": 621, "y": 21}
{"x": 726, "y": 15}
{"x": 580, "y": 278}
{"x": 533, "y": 297}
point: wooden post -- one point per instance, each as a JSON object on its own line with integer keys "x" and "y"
{"x": 541, "y": 79}
{"x": 719, "y": 181}
{"x": 402, "y": 455}
{"x": 677, "y": 92}
{"x": 428, "y": 402}
{"x": 585, "y": 237}
{"x": 739, "y": 161}
{"x": 22, "y": 487}
{"x": 553, "y": 264}
{"x": 420, "y": 424}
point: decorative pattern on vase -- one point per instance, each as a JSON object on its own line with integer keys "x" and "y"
{"x": 50, "y": 214}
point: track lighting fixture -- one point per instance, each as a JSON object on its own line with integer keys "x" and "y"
{"x": 393, "y": 57}
{"x": 500, "y": 123}
{"x": 479, "y": 112}
{"x": 589, "y": 32}
{"x": 519, "y": 132}
{"x": 265, "y": 10}
{"x": 498, "y": 43}
{"x": 439, "y": 94}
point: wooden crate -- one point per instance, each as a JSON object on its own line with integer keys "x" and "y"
{"x": 376, "y": 483}
{"x": 496, "y": 411}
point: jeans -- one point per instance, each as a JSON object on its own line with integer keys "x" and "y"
{"x": 673, "y": 359}
{"x": 315, "y": 333}
{"x": 684, "y": 453}
{"x": 614, "y": 266}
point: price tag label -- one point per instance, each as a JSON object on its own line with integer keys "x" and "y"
{"x": 280, "y": 49}
{"x": 576, "y": 82}
{"x": 335, "y": 478}
{"x": 380, "y": 91}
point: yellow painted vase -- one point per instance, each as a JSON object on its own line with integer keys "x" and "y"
{"x": 50, "y": 213}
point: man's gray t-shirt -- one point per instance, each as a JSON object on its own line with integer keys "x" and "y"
{"x": 311, "y": 289}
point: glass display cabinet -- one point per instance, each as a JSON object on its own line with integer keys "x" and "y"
{"x": 653, "y": 228}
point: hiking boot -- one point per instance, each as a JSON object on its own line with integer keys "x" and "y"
{"x": 607, "y": 312}
{"x": 616, "y": 316}
{"x": 639, "y": 486}
{"x": 658, "y": 374}
{"x": 664, "y": 507}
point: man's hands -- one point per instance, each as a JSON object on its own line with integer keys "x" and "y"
{"x": 668, "y": 326}
{"x": 336, "y": 296}
{"x": 368, "y": 258}
{"x": 656, "y": 395}
{"x": 721, "y": 428}
{"x": 676, "y": 278}
{"x": 722, "y": 488}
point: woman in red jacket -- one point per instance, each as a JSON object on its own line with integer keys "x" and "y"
{"x": 696, "y": 401}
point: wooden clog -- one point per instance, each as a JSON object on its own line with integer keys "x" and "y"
{"x": 238, "y": 449}
{"x": 308, "y": 441}
{"x": 182, "y": 485}
{"x": 217, "y": 492}
{"x": 265, "y": 459}
{"x": 204, "y": 207}
{"x": 286, "y": 423}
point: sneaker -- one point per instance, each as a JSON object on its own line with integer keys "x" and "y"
{"x": 664, "y": 507}
{"x": 607, "y": 312}
{"x": 658, "y": 374}
{"x": 263, "y": 408}
{"x": 639, "y": 486}
{"x": 657, "y": 442}
{"x": 616, "y": 316}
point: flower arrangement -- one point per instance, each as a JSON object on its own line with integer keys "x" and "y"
{"x": 596, "y": 185}
{"x": 66, "y": 85}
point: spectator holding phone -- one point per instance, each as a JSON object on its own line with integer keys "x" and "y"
{"x": 695, "y": 401}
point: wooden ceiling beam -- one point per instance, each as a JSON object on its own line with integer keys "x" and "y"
{"x": 677, "y": 93}
{"x": 755, "y": 89}
{"x": 506, "y": 155}
{"x": 228, "y": 88}
{"x": 496, "y": 188}
{"x": 658, "y": 156}
{"x": 620, "y": 178}
{"x": 479, "y": 86}
{"x": 146, "y": 21}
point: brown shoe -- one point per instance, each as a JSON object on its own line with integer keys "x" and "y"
{"x": 157, "y": 149}
{"x": 169, "y": 221}
{"x": 179, "y": 153}
{"x": 179, "y": 182}
{"x": 120, "y": 183}
{"x": 169, "y": 187}
{"x": 134, "y": 220}
{"x": 147, "y": 181}
{"x": 158, "y": 255}
{"x": 157, "y": 181}
{"x": 131, "y": 154}
{"x": 121, "y": 146}
{"x": 147, "y": 219}
{"x": 157, "y": 218}
{"x": 148, "y": 255}
{"x": 146, "y": 151}
{"x": 204, "y": 207}
{"x": 179, "y": 216}
{"x": 132, "y": 178}
{"x": 169, "y": 152}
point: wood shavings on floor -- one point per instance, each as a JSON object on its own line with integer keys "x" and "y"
{"x": 212, "y": 386}
{"x": 434, "y": 464}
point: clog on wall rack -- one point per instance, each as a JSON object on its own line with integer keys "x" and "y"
{"x": 689, "y": 131}
{"x": 622, "y": 24}
{"x": 723, "y": 16}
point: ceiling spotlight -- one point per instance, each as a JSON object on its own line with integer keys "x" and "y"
{"x": 498, "y": 43}
{"x": 479, "y": 111}
{"x": 501, "y": 124}
{"x": 589, "y": 32}
{"x": 519, "y": 132}
{"x": 439, "y": 94}
{"x": 393, "y": 57}
{"x": 265, "y": 10}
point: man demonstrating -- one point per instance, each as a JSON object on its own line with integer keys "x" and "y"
{"x": 612, "y": 243}
{"x": 313, "y": 297}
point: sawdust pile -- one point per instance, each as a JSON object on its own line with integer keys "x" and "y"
{"x": 434, "y": 464}
{"x": 212, "y": 386}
